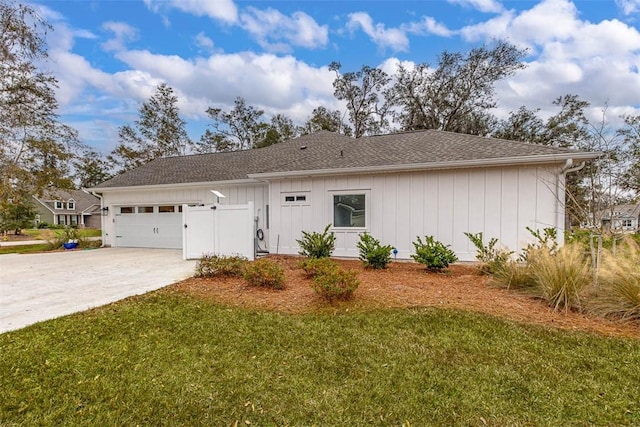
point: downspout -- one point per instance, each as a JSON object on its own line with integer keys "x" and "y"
{"x": 99, "y": 196}
{"x": 560, "y": 219}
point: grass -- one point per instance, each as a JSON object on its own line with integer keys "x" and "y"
{"x": 46, "y": 234}
{"x": 24, "y": 249}
{"x": 164, "y": 359}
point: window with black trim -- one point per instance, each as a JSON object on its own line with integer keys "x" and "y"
{"x": 166, "y": 209}
{"x": 349, "y": 210}
{"x": 295, "y": 198}
{"x": 127, "y": 210}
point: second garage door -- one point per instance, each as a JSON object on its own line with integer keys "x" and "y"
{"x": 150, "y": 226}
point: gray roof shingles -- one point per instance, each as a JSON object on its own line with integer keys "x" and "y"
{"x": 326, "y": 150}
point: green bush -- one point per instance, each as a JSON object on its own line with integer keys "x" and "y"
{"x": 315, "y": 266}
{"x": 317, "y": 245}
{"x": 264, "y": 273}
{"x": 560, "y": 277}
{"x": 547, "y": 239}
{"x": 336, "y": 284}
{"x": 493, "y": 259}
{"x": 433, "y": 254}
{"x": 42, "y": 225}
{"x": 220, "y": 265}
{"x": 372, "y": 253}
{"x": 618, "y": 294}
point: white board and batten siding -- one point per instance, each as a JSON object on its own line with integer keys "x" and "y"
{"x": 500, "y": 202}
{"x": 115, "y": 199}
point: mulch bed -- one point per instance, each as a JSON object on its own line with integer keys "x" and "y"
{"x": 402, "y": 285}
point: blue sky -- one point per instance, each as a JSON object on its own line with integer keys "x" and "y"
{"x": 108, "y": 56}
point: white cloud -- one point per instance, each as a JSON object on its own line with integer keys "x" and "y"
{"x": 204, "y": 42}
{"x": 393, "y": 38}
{"x": 628, "y": 7}
{"x": 275, "y": 31}
{"x": 222, "y": 10}
{"x": 122, "y": 32}
{"x": 488, "y": 6}
{"x": 597, "y": 61}
{"x": 428, "y": 25}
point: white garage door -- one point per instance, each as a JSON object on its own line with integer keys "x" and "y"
{"x": 149, "y": 226}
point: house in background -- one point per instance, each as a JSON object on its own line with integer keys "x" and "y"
{"x": 69, "y": 207}
{"x": 621, "y": 218}
{"x": 396, "y": 187}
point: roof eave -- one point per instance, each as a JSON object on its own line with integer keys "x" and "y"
{"x": 462, "y": 164}
{"x": 203, "y": 184}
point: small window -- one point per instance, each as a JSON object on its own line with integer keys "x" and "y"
{"x": 301, "y": 198}
{"x": 62, "y": 220}
{"x": 74, "y": 219}
{"x": 58, "y": 205}
{"x": 166, "y": 209}
{"x": 349, "y": 210}
{"x": 71, "y": 204}
{"x": 627, "y": 223}
{"x": 127, "y": 210}
{"x": 180, "y": 208}
{"x": 145, "y": 209}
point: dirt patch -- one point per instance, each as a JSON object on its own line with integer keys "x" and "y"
{"x": 403, "y": 284}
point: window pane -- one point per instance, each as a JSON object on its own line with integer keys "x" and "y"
{"x": 166, "y": 209}
{"x": 74, "y": 220}
{"x": 145, "y": 209}
{"x": 71, "y": 206}
{"x": 349, "y": 210}
{"x": 126, "y": 210}
{"x": 301, "y": 198}
{"x": 289, "y": 199}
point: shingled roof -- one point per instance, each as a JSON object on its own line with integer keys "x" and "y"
{"x": 327, "y": 152}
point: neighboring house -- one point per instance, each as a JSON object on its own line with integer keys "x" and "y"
{"x": 69, "y": 207}
{"x": 621, "y": 218}
{"x": 395, "y": 186}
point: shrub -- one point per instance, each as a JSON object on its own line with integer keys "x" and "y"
{"x": 264, "y": 273}
{"x": 547, "y": 239}
{"x": 493, "y": 259}
{"x": 372, "y": 253}
{"x": 336, "y": 284}
{"x": 560, "y": 277}
{"x": 315, "y": 266}
{"x": 220, "y": 265}
{"x": 42, "y": 225}
{"x": 317, "y": 245}
{"x": 619, "y": 292}
{"x": 433, "y": 254}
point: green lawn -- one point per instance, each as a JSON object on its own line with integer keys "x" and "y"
{"x": 23, "y": 249}
{"x": 162, "y": 359}
{"x": 46, "y": 234}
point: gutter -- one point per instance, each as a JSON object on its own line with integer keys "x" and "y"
{"x": 502, "y": 161}
{"x": 203, "y": 184}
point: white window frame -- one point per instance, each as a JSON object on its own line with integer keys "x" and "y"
{"x": 367, "y": 208}
{"x": 71, "y": 204}
{"x": 58, "y": 204}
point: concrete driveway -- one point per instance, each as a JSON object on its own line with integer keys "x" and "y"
{"x": 36, "y": 287}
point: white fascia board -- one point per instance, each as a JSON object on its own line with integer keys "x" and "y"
{"x": 479, "y": 163}
{"x": 177, "y": 185}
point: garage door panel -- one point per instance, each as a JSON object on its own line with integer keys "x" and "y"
{"x": 149, "y": 230}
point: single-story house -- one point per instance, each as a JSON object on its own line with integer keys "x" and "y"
{"x": 396, "y": 187}
{"x": 68, "y": 207}
{"x": 621, "y": 218}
